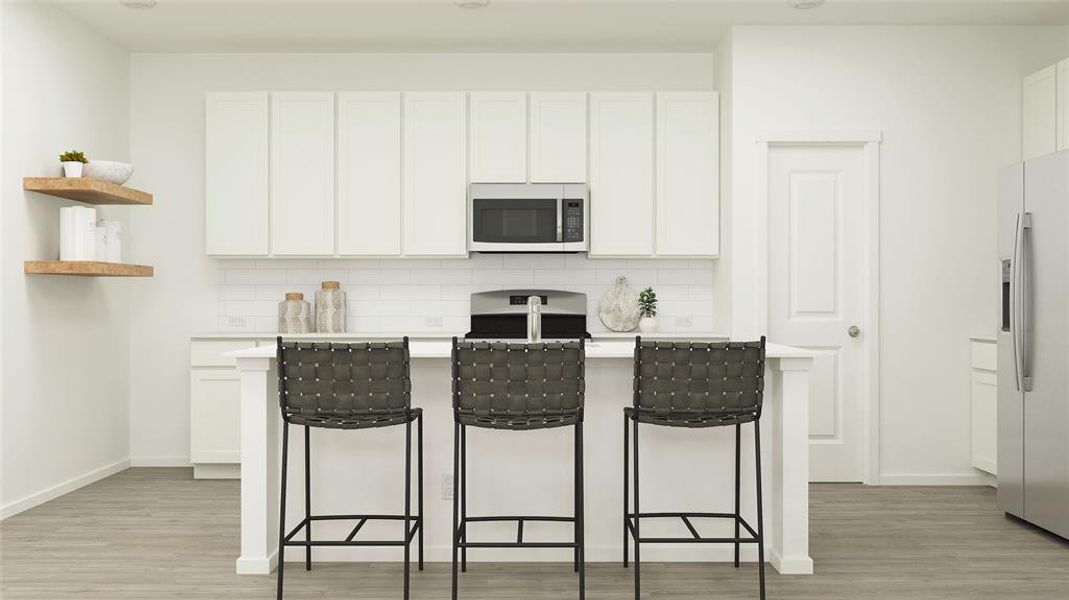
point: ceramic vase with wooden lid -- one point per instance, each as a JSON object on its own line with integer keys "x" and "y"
{"x": 330, "y": 308}
{"x": 294, "y": 314}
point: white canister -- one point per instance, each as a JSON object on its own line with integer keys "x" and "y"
{"x": 330, "y": 308}
{"x": 100, "y": 235}
{"x": 294, "y": 314}
{"x": 114, "y": 241}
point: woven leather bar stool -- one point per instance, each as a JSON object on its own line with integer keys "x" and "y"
{"x": 687, "y": 384}
{"x": 348, "y": 386}
{"x": 516, "y": 387}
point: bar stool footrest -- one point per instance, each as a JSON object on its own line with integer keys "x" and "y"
{"x": 695, "y": 537}
{"x": 416, "y": 524}
{"x": 519, "y": 543}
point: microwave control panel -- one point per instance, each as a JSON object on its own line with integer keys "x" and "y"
{"x": 573, "y": 220}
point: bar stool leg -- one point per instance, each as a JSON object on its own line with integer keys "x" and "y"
{"x": 760, "y": 512}
{"x": 627, "y": 488}
{"x": 738, "y": 434}
{"x": 408, "y": 501}
{"x": 638, "y": 537}
{"x": 419, "y": 505}
{"x": 282, "y": 509}
{"x": 307, "y": 498}
{"x": 576, "y": 499}
{"x": 456, "y": 506}
{"x": 464, "y": 497}
{"x": 580, "y": 510}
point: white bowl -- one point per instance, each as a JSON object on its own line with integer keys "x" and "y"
{"x": 109, "y": 170}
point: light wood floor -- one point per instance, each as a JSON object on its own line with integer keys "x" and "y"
{"x": 155, "y": 533}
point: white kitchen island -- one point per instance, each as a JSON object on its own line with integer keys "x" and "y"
{"x": 517, "y": 472}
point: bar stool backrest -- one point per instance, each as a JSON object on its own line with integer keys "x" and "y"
{"x": 692, "y": 384}
{"x": 344, "y": 386}
{"x": 518, "y": 386}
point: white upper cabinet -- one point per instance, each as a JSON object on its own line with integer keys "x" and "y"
{"x": 1039, "y": 104}
{"x": 302, "y": 173}
{"x": 435, "y": 174}
{"x": 498, "y": 137}
{"x": 558, "y": 148}
{"x": 235, "y": 173}
{"x": 369, "y": 173}
{"x": 688, "y": 174}
{"x": 1063, "y": 105}
{"x": 621, "y": 174}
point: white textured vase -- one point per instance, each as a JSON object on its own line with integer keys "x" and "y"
{"x": 618, "y": 308}
{"x": 330, "y": 308}
{"x": 294, "y": 314}
{"x": 647, "y": 324}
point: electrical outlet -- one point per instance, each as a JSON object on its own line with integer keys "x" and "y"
{"x": 435, "y": 322}
{"x": 237, "y": 322}
{"x": 684, "y": 322}
{"x": 447, "y": 486}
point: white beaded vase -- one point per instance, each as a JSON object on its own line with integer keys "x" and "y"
{"x": 330, "y": 308}
{"x": 294, "y": 314}
{"x": 618, "y": 308}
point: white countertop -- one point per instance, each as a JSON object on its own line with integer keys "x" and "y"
{"x": 606, "y": 335}
{"x": 596, "y": 348}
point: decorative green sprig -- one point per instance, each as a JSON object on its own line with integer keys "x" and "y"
{"x": 647, "y": 302}
{"x": 73, "y": 156}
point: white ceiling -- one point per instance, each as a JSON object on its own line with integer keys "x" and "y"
{"x": 507, "y": 25}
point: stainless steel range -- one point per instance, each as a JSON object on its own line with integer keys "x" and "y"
{"x": 503, "y": 314}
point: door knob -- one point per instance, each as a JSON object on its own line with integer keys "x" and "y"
{"x": 854, "y": 331}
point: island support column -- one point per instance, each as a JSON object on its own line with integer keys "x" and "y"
{"x": 788, "y": 510}
{"x": 259, "y": 465}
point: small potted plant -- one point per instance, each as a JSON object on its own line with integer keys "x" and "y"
{"x": 647, "y": 305}
{"x": 72, "y": 163}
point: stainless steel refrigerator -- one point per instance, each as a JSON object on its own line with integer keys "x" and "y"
{"x": 1033, "y": 342}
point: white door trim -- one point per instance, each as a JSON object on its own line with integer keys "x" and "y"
{"x": 870, "y": 142}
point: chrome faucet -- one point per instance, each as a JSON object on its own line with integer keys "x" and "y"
{"x": 534, "y": 319}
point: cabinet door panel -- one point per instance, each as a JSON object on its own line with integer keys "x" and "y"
{"x": 1040, "y": 109}
{"x": 435, "y": 174}
{"x": 621, "y": 174}
{"x": 369, "y": 173}
{"x": 1062, "y": 117}
{"x": 302, "y": 173}
{"x": 688, "y": 167}
{"x": 498, "y": 137}
{"x": 215, "y": 416}
{"x": 235, "y": 173}
{"x": 558, "y": 149}
{"x": 984, "y": 394}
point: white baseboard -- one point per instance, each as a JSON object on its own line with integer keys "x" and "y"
{"x": 66, "y": 487}
{"x": 934, "y": 479}
{"x": 160, "y": 461}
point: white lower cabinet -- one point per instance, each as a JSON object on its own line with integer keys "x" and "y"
{"x": 984, "y": 396}
{"x": 215, "y": 408}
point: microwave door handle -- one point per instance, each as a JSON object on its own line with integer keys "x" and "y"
{"x": 560, "y": 217}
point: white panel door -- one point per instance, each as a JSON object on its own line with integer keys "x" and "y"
{"x": 498, "y": 136}
{"x": 369, "y": 173}
{"x": 435, "y": 174}
{"x": 1062, "y": 117}
{"x": 235, "y": 173}
{"x": 1039, "y": 106}
{"x": 816, "y": 214}
{"x": 621, "y": 174}
{"x": 558, "y": 149}
{"x": 215, "y": 416}
{"x": 688, "y": 174}
{"x": 302, "y": 173}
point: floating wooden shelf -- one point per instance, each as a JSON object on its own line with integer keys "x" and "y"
{"x": 84, "y": 189}
{"x": 85, "y": 268}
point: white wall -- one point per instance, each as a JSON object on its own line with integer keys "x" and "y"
{"x": 947, "y": 100}
{"x": 167, "y": 146}
{"x": 65, "y": 339}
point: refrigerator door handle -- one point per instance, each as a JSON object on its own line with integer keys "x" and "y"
{"x": 1026, "y": 358}
{"x": 1015, "y": 287}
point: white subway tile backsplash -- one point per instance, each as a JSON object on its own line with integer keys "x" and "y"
{"x": 421, "y": 295}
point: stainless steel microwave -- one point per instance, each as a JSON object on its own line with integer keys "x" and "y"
{"x": 528, "y": 217}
